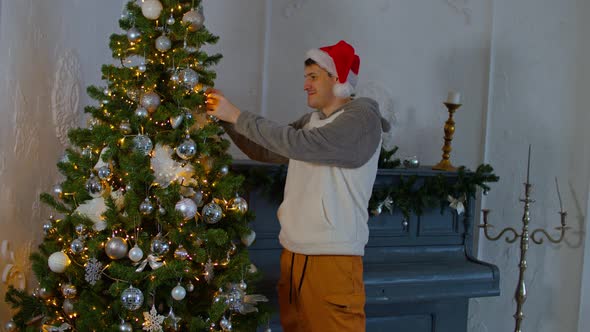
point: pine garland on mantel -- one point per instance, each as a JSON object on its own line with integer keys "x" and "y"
{"x": 412, "y": 194}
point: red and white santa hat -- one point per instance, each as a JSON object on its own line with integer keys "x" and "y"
{"x": 340, "y": 61}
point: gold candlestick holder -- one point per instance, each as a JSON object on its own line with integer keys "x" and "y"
{"x": 445, "y": 163}
{"x": 512, "y": 235}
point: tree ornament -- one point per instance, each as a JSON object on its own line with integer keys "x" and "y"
{"x": 141, "y": 112}
{"x": 159, "y": 245}
{"x": 239, "y": 204}
{"x": 166, "y": 169}
{"x": 93, "y": 271}
{"x": 77, "y": 246}
{"x": 172, "y": 321}
{"x": 58, "y": 262}
{"x": 225, "y": 324}
{"x": 187, "y": 208}
{"x": 151, "y": 9}
{"x": 212, "y": 213}
{"x": 181, "y": 253}
{"x": 189, "y": 77}
{"x": 208, "y": 271}
{"x": 125, "y": 127}
{"x": 153, "y": 321}
{"x": 146, "y": 207}
{"x": 10, "y": 326}
{"x": 105, "y": 173}
{"x": 178, "y": 293}
{"x": 135, "y": 254}
{"x": 80, "y": 228}
{"x": 190, "y": 287}
{"x": 133, "y": 94}
{"x": 47, "y": 227}
{"x": 161, "y": 210}
{"x": 142, "y": 144}
{"x": 151, "y": 101}
{"x": 243, "y": 286}
{"x": 87, "y": 153}
{"x": 132, "y": 298}
{"x": 193, "y": 19}
{"x": 44, "y": 293}
{"x": 224, "y": 170}
{"x": 198, "y": 198}
{"x": 116, "y": 248}
{"x": 163, "y": 43}
{"x": 94, "y": 186}
{"x": 69, "y": 291}
{"x": 68, "y": 307}
{"x": 134, "y": 35}
{"x": 377, "y": 210}
{"x": 187, "y": 148}
{"x": 170, "y": 20}
{"x": 142, "y": 68}
{"x": 57, "y": 190}
{"x": 125, "y": 326}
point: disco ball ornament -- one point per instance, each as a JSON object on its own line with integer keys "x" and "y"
{"x": 134, "y": 35}
{"x": 141, "y": 112}
{"x": 187, "y": 208}
{"x": 212, "y": 213}
{"x": 58, "y": 262}
{"x": 150, "y": 101}
{"x": 178, "y": 293}
{"x": 94, "y": 186}
{"x": 132, "y": 298}
{"x": 77, "y": 246}
{"x": 159, "y": 245}
{"x": 193, "y": 19}
{"x": 187, "y": 148}
{"x": 163, "y": 43}
{"x": 125, "y": 127}
{"x": 189, "y": 77}
{"x": 105, "y": 173}
{"x": 146, "y": 207}
{"x": 151, "y": 9}
{"x": 135, "y": 254}
{"x": 239, "y": 204}
{"x": 69, "y": 291}
{"x": 142, "y": 144}
{"x": 181, "y": 253}
{"x": 116, "y": 248}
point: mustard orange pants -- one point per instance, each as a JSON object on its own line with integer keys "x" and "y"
{"x": 323, "y": 293}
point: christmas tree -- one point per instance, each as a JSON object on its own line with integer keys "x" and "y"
{"x": 151, "y": 232}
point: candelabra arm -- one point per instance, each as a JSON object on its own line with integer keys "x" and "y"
{"x": 561, "y": 229}
{"x": 512, "y": 232}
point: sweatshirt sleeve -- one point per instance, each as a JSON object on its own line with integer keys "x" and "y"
{"x": 348, "y": 141}
{"x": 255, "y": 151}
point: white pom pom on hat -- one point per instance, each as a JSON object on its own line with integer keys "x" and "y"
{"x": 341, "y": 61}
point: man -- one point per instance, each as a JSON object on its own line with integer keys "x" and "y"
{"x": 332, "y": 155}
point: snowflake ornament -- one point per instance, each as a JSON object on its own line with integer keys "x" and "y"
{"x": 93, "y": 271}
{"x": 209, "y": 273}
{"x": 153, "y": 321}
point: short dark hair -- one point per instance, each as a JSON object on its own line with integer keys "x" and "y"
{"x": 310, "y": 62}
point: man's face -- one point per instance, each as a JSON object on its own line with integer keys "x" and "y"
{"x": 318, "y": 85}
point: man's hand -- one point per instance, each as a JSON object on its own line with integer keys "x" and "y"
{"x": 219, "y": 107}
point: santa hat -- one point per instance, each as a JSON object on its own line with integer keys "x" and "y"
{"x": 340, "y": 61}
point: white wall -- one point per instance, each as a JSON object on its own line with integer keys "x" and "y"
{"x": 520, "y": 65}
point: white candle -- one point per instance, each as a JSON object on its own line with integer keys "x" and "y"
{"x": 454, "y": 97}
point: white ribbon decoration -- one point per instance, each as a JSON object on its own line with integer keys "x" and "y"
{"x": 388, "y": 202}
{"x": 61, "y": 328}
{"x": 154, "y": 261}
{"x": 457, "y": 204}
{"x": 14, "y": 272}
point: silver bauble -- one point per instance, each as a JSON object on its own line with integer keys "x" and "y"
{"x": 44, "y": 293}
{"x": 190, "y": 287}
{"x": 186, "y": 149}
{"x": 105, "y": 173}
{"x": 178, "y": 293}
{"x": 193, "y": 19}
{"x": 224, "y": 170}
{"x": 212, "y": 213}
{"x": 132, "y": 298}
{"x": 57, "y": 190}
{"x": 142, "y": 68}
{"x": 116, "y": 248}
{"x": 142, "y": 144}
{"x": 141, "y": 112}
{"x": 151, "y": 9}
{"x": 175, "y": 121}
{"x": 163, "y": 43}
{"x": 77, "y": 246}
{"x": 107, "y": 91}
{"x": 128, "y": 187}
{"x": 180, "y": 253}
{"x": 68, "y": 306}
{"x": 189, "y": 77}
{"x": 125, "y": 327}
{"x": 135, "y": 254}
{"x": 411, "y": 162}
{"x": 239, "y": 204}
{"x": 225, "y": 324}
{"x": 146, "y": 207}
{"x": 175, "y": 78}
{"x": 150, "y": 101}
{"x": 243, "y": 285}
{"x": 159, "y": 245}
{"x": 134, "y": 35}
{"x": 47, "y": 227}
{"x": 79, "y": 229}
{"x": 125, "y": 127}
{"x": 170, "y": 20}
{"x": 187, "y": 208}
{"x": 94, "y": 186}
{"x": 377, "y": 211}
{"x": 161, "y": 210}
{"x": 87, "y": 153}
{"x": 10, "y": 326}
{"x": 69, "y": 291}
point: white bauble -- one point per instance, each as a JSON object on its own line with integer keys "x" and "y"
{"x": 58, "y": 262}
{"x": 178, "y": 293}
{"x": 135, "y": 254}
{"x": 151, "y": 9}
